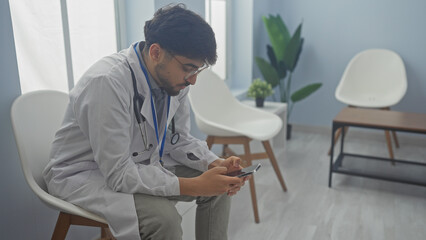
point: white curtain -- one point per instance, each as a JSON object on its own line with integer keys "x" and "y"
{"x": 217, "y": 18}
{"x": 39, "y": 41}
{"x": 92, "y": 32}
{"x": 37, "y": 29}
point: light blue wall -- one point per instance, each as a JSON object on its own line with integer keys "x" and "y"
{"x": 335, "y": 31}
{"x": 137, "y": 12}
{"x": 241, "y": 45}
{"x": 16, "y": 197}
{"x": 194, "y": 5}
{"x": 22, "y": 214}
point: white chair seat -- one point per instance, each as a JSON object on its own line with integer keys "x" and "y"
{"x": 366, "y": 100}
{"x": 248, "y": 121}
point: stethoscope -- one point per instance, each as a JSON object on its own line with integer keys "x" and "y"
{"x": 137, "y": 106}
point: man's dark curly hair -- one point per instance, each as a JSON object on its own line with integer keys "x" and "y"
{"x": 181, "y": 32}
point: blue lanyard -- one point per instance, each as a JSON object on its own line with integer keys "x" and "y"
{"x": 154, "y": 112}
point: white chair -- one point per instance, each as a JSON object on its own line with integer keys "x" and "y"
{"x": 227, "y": 121}
{"x": 374, "y": 78}
{"x": 36, "y": 116}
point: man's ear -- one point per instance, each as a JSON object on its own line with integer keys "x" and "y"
{"x": 156, "y": 53}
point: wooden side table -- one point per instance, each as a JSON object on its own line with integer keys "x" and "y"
{"x": 280, "y": 109}
{"x": 375, "y": 119}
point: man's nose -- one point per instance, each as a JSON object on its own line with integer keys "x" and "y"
{"x": 192, "y": 79}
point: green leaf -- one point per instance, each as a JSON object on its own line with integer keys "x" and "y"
{"x": 278, "y": 33}
{"x": 298, "y": 54}
{"x": 268, "y": 72}
{"x": 293, "y": 49}
{"x": 305, "y": 92}
{"x": 281, "y": 70}
{"x": 279, "y": 66}
{"x": 271, "y": 56}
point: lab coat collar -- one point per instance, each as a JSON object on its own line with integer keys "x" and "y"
{"x": 142, "y": 85}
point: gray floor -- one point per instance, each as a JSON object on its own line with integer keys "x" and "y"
{"x": 354, "y": 208}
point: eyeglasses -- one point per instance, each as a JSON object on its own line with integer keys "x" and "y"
{"x": 192, "y": 73}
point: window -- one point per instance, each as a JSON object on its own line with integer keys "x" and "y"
{"x": 56, "y": 41}
{"x": 216, "y": 16}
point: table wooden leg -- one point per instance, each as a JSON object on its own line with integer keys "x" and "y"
{"x": 395, "y": 139}
{"x": 389, "y": 143}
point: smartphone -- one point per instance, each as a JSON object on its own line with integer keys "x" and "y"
{"x": 245, "y": 171}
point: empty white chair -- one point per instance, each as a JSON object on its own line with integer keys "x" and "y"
{"x": 374, "y": 78}
{"x": 227, "y": 121}
{"x": 36, "y": 116}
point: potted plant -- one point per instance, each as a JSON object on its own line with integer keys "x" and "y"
{"x": 259, "y": 90}
{"x": 283, "y": 55}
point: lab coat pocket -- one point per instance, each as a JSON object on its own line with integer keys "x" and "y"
{"x": 190, "y": 156}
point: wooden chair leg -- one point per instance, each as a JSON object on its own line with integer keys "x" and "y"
{"x": 210, "y": 141}
{"x": 227, "y": 152}
{"x": 224, "y": 149}
{"x": 247, "y": 157}
{"x": 389, "y": 143}
{"x": 62, "y": 225}
{"x": 103, "y": 233}
{"x": 106, "y": 234}
{"x": 395, "y": 139}
{"x": 336, "y": 137}
{"x": 271, "y": 156}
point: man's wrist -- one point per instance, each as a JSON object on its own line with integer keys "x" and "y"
{"x": 216, "y": 163}
{"x": 188, "y": 186}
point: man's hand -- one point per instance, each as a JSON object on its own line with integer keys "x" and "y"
{"x": 232, "y": 164}
{"x": 213, "y": 182}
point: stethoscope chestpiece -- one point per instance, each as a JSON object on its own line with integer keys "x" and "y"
{"x": 175, "y": 138}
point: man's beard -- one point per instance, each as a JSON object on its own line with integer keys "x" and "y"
{"x": 165, "y": 84}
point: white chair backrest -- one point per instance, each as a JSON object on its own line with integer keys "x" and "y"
{"x": 218, "y": 113}
{"x": 36, "y": 116}
{"x": 373, "y": 78}
{"x": 209, "y": 96}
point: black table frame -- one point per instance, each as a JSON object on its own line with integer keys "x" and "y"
{"x": 336, "y": 166}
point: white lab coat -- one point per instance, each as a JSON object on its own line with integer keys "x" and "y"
{"x": 91, "y": 163}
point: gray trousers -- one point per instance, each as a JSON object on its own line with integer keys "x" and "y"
{"x": 159, "y": 218}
